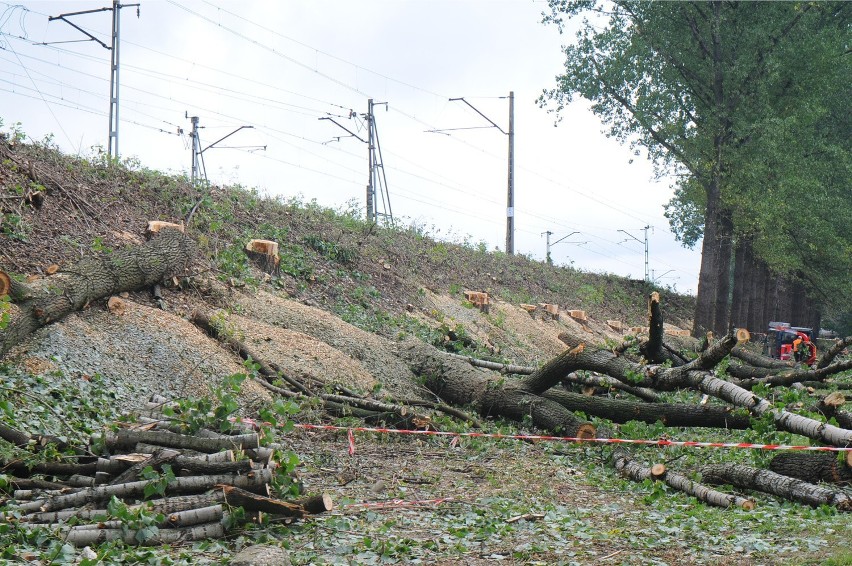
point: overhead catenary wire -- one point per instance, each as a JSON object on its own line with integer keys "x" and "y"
{"x": 287, "y": 133}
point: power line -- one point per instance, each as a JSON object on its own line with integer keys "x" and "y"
{"x": 49, "y": 109}
{"x": 276, "y": 33}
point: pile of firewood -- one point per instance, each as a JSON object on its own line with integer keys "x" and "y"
{"x": 218, "y": 481}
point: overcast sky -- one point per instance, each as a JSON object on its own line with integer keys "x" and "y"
{"x": 280, "y": 66}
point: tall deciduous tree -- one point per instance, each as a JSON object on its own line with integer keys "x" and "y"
{"x": 701, "y": 86}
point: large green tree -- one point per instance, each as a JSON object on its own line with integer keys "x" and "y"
{"x": 701, "y": 86}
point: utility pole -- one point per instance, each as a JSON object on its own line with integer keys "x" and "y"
{"x": 377, "y": 185}
{"x": 112, "y": 142}
{"x": 549, "y": 245}
{"x": 371, "y": 188}
{"x": 198, "y": 166}
{"x": 510, "y": 204}
{"x": 510, "y": 200}
{"x": 646, "y": 228}
{"x": 196, "y": 149}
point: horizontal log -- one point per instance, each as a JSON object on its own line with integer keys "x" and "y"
{"x": 128, "y": 438}
{"x": 222, "y": 456}
{"x": 624, "y": 463}
{"x": 236, "y": 497}
{"x": 185, "y": 484}
{"x": 669, "y": 414}
{"x": 199, "y": 516}
{"x": 91, "y": 537}
{"x": 812, "y": 468}
{"x": 746, "y": 477}
{"x": 166, "y": 506}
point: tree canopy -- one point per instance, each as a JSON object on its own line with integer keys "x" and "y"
{"x": 743, "y": 103}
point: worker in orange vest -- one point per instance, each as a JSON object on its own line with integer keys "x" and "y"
{"x": 798, "y": 351}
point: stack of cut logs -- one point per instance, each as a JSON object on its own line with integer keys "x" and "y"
{"x": 214, "y": 474}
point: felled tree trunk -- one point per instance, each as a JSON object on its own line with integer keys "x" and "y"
{"x": 758, "y": 360}
{"x": 746, "y": 477}
{"x": 620, "y": 411}
{"x": 94, "y": 278}
{"x": 813, "y": 468}
{"x": 833, "y": 352}
{"x": 693, "y": 375}
{"x": 458, "y": 383}
{"x": 638, "y": 473}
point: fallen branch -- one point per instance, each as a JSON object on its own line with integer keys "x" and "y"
{"x": 638, "y": 473}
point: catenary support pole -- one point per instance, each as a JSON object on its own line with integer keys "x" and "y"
{"x": 510, "y": 204}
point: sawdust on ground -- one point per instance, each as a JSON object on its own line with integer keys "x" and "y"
{"x": 142, "y": 352}
{"x": 301, "y": 356}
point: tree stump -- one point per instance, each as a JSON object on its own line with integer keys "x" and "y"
{"x": 264, "y": 253}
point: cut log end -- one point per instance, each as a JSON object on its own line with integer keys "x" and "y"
{"x": 51, "y": 269}
{"x": 835, "y": 399}
{"x": 849, "y": 459}
{"x": 155, "y": 226}
{"x": 116, "y": 306}
{"x": 586, "y": 430}
{"x": 658, "y": 471}
{"x": 5, "y": 284}
{"x": 743, "y": 335}
{"x": 747, "y": 505}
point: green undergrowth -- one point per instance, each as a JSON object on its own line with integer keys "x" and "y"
{"x": 581, "y": 510}
{"x": 75, "y": 410}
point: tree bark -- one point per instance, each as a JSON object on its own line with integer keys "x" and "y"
{"x": 456, "y": 382}
{"x": 746, "y": 477}
{"x": 812, "y": 468}
{"x": 619, "y": 411}
{"x": 129, "y": 438}
{"x": 94, "y": 278}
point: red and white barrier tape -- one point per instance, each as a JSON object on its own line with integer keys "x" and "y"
{"x": 573, "y": 439}
{"x": 659, "y": 442}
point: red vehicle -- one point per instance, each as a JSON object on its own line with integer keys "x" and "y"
{"x": 785, "y": 342}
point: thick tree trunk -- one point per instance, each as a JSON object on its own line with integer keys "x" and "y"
{"x": 812, "y": 468}
{"x": 456, "y": 382}
{"x": 722, "y": 307}
{"x": 759, "y": 360}
{"x": 835, "y": 350}
{"x": 744, "y": 272}
{"x": 652, "y": 349}
{"x": 168, "y": 254}
{"x": 620, "y": 411}
{"x": 746, "y": 477}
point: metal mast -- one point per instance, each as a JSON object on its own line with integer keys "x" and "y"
{"x": 112, "y": 142}
{"x": 510, "y": 203}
